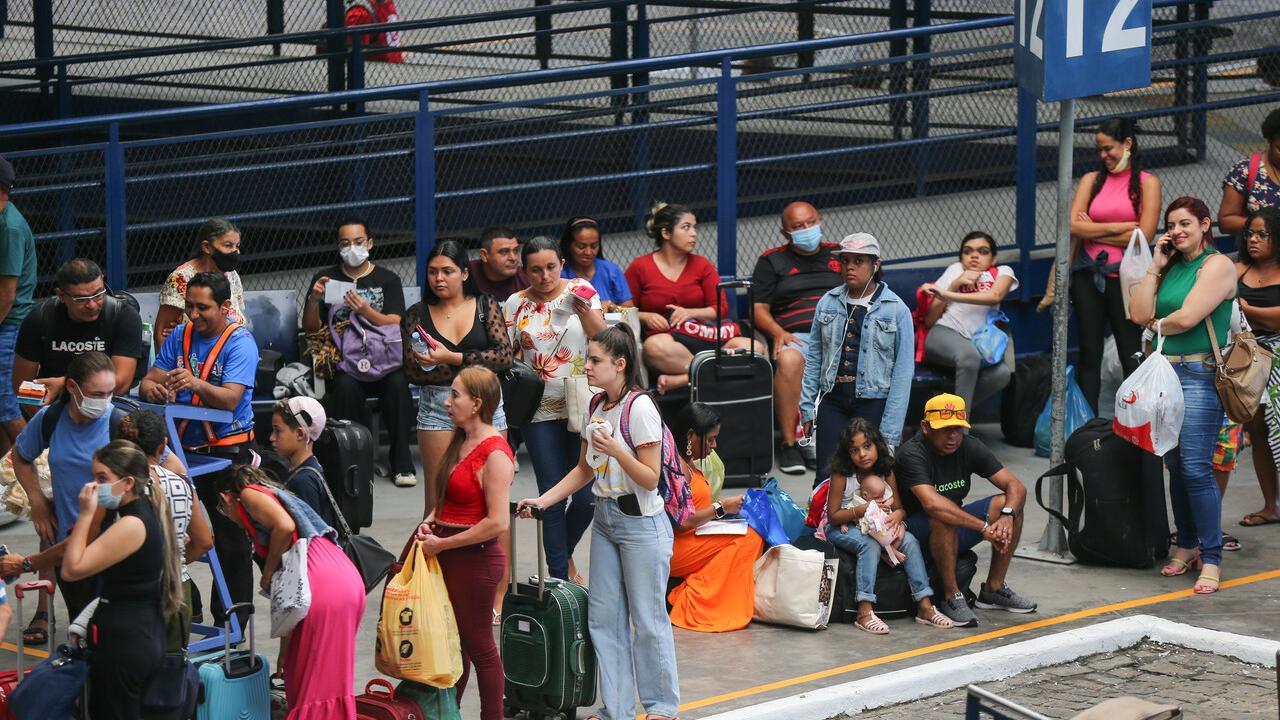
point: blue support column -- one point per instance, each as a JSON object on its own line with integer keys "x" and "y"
{"x": 727, "y": 172}
{"x": 117, "y": 245}
{"x": 355, "y": 70}
{"x": 335, "y": 17}
{"x": 1025, "y": 194}
{"x": 424, "y": 184}
{"x": 920, "y": 106}
{"x": 42, "y": 14}
{"x": 641, "y": 149}
{"x": 1203, "y": 45}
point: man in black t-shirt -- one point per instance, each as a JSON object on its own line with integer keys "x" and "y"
{"x": 378, "y": 298}
{"x": 933, "y": 471}
{"x": 82, "y": 317}
{"x": 788, "y": 282}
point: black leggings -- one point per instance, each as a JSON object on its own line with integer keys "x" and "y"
{"x": 1093, "y": 311}
{"x": 345, "y": 399}
{"x": 128, "y": 647}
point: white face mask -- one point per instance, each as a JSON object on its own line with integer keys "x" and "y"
{"x": 91, "y": 408}
{"x": 353, "y": 256}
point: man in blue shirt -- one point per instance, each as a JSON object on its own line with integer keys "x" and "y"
{"x": 17, "y": 286}
{"x": 212, "y": 362}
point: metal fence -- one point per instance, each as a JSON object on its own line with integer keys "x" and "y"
{"x": 917, "y": 147}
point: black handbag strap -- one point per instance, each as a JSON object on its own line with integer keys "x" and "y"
{"x": 342, "y": 521}
{"x": 1074, "y": 496}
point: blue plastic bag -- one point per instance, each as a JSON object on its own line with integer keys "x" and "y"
{"x": 789, "y": 513}
{"x": 1078, "y": 413}
{"x": 990, "y": 340}
{"x": 760, "y": 515}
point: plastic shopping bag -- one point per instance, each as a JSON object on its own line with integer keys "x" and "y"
{"x": 790, "y": 514}
{"x": 990, "y": 340}
{"x": 762, "y": 518}
{"x": 1078, "y": 413}
{"x": 1149, "y": 405}
{"x": 1134, "y": 264}
{"x": 417, "y": 633}
{"x": 713, "y": 468}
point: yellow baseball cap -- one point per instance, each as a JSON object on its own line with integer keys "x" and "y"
{"x": 946, "y": 410}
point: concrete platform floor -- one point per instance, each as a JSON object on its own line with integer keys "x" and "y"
{"x": 723, "y": 671}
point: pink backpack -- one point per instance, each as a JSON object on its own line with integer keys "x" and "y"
{"x": 673, "y": 485}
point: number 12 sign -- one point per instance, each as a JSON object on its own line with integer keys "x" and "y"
{"x": 1074, "y": 48}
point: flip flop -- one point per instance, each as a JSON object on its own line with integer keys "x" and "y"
{"x": 872, "y": 624}
{"x": 35, "y": 635}
{"x": 1230, "y": 543}
{"x": 1265, "y": 520}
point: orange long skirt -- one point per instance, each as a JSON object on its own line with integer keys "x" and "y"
{"x": 718, "y": 592}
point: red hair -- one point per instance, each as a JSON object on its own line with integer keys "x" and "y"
{"x": 1198, "y": 210}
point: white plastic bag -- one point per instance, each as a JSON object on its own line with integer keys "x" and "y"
{"x": 1134, "y": 264}
{"x": 290, "y": 590}
{"x": 1149, "y": 405}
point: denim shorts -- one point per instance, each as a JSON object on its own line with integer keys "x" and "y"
{"x": 433, "y": 416}
{"x": 8, "y": 399}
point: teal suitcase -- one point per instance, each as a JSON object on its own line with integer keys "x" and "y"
{"x": 235, "y": 683}
{"x": 546, "y": 648}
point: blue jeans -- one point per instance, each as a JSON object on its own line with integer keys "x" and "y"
{"x": 630, "y": 563}
{"x": 554, "y": 450}
{"x": 835, "y": 410}
{"x": 1197, "y": 507}
{"x": 9, "y": 409}
{"x": 855, "y": 542}
{"x": 966, "y": 538}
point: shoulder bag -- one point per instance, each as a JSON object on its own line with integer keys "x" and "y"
{"x": 372, "y": 561}
{"x": 794, "y": 587}
{"x": 1241, "y": 373}
{"x": 522, "y": 387}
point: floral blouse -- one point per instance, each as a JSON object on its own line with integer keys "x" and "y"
{"x": 485, "y": 344}
{"x": 556, "y": 350}
{"x": 174, "y": 292}
{"x": 1265, "y": 191}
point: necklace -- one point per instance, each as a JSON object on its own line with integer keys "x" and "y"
{"x": 347, "y": 272}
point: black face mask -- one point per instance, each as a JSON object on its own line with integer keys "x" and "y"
{"x": 226, "y": 262}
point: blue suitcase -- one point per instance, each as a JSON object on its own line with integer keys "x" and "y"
{"x": 234, "y": 683}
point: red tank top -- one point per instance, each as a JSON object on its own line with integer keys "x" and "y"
{"x": 464, "y": 495}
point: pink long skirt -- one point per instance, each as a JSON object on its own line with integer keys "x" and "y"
{"x": 320, "y": 659}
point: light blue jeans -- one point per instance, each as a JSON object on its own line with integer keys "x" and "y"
{"x": 867, "y": 549}
{"x": 630, "y": 564}
{"x": 1197, "y": 507}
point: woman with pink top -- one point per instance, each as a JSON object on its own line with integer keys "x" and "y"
{"x": 1109, "y": 203}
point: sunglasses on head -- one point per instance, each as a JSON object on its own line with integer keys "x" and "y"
{"x": 947, "y": 414}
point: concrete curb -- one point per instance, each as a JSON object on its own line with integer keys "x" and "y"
{"x": 997, "y": 663}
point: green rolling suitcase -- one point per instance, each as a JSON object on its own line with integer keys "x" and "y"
{"x": 546, "y": 648}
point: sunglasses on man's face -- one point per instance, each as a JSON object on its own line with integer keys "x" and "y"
{"x": 947, "y": 414}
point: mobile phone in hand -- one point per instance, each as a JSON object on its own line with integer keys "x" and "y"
{"x": 586, "y": 292}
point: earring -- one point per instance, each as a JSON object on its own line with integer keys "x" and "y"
{"x": 688, "y": 447}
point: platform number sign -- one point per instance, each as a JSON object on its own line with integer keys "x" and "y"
{"x": 1076, "y": 48}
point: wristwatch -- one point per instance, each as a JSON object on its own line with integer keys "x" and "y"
{"x": 26, "y": 566}
{"x": 1009, "y": 512}
{"x": 719, "y": 508}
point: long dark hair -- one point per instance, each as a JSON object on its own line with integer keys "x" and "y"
{"x": 698, "y": 418}
{"x": 842, "y": 463}
{"x": 1121, "y": 129}
{"x": 457, "y": 254}
{"x": 1270, "y": 217}
{"x": 483, "y": 384}
{"x": 618, "y": 341}
{"x": 571, "y": 230}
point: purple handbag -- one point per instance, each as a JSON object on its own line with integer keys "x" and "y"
{"x": 369, "y": 352}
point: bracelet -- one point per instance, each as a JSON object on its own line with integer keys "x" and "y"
{"x": 1153, "y": 274}
{"x": 985, "y": 525}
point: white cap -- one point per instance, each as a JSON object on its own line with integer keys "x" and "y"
{"x": 858, "y": 244}
{"x": 306, "y": 409}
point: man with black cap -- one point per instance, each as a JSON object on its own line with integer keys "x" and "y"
{"x": 17, "y": 285}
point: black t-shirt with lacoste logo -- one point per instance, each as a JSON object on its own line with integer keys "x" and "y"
{"x": 53, "y": 347}
{"x": 917, "y": 464}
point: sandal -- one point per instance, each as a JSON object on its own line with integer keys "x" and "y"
{"x": 1257, "y": 520}
{"x": 1208, "y": 584}
{"x": 1177, "y": 566}
{"x": 497, "y": 617}
{"x": 936, "y": 619}
{"x": 1230, "y": 543}
{"x": 872, "y": 624}
{"x": 37, "y": 635}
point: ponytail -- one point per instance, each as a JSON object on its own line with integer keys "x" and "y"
{"x": 618, "y": 341}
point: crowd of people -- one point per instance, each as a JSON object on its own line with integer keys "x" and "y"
{"x": 122, "y": 520}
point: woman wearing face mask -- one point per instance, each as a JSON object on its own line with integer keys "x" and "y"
{"x": 861, "y": 353}
{"x": 582, "y": 246}
{"x": 217, "y": 250}
{"x": 1109, "y": 204}
{"x": 549, "y": 323}
{"x": 1189, "y": 285}
{"x": 962, "y": 299}
{"x": 378, "y": 298}
{"x": 137, "y": 563}
{"x": 675, "y": 290}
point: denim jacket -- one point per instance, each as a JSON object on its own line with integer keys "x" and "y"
{"x": 886, "y": 360}
{"x": 306, "y": 521}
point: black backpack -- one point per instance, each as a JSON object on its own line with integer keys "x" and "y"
{"x": 1116, "y": 513}
{"x": 1024, "y": 399}
{"x": 48, "y": 306}
{"x": 49, "y": 421}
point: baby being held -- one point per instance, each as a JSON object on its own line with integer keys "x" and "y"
{"x": 875, "y": 521}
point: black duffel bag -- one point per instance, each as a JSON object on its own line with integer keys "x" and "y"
{"x": 522, "y": 389}
{"x": 1116, "y": 513}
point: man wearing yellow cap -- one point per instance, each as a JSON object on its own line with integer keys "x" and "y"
{"x": 934, "y": 470}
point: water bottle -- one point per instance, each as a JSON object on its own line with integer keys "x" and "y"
{"x": 146, "y": 341}
{"x": 421, "y": 347}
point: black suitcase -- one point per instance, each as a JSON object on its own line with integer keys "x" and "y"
{"x": 1116, "y": 513}
{"x": 345, "y": 451}
{"x": 1024, "y": 398}
{"x": 739, "y": 385}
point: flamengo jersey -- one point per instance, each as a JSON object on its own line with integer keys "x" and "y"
{"x": 366, "y": 12}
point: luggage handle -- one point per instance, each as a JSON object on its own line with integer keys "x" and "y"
{"x": 20, "y": 590}
{"x": 734, "y": 283}
{"x": 226, "y": 635}
{"x": 380, "y": 683}
{"x": 1064, "y": 470}
{"x": 536, "y": 512}
{"x": 578, "y": 657}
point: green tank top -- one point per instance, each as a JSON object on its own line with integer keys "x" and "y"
{"x": 1173, "y": 293}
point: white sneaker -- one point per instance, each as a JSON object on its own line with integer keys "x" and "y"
{"x": 406, "y": 480}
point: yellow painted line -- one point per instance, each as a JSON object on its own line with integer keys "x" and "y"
{"x": 971, "y": 640}
{"x": 29, "y": 651}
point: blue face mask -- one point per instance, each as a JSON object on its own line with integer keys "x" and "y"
{"x": 105, "y": 498}
{"x": 807, "y": 239}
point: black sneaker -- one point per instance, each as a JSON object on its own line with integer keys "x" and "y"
{"x": 790, "y": 461}
{"x": 810, "y": 454}
{"x": 1004, "y": 599}
{"x": 958, "y": 610}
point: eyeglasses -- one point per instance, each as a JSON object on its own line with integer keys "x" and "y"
{"x": 1260, "y": 234}
{"x": 358, "y": 242}
{"x": 947, "y": 414}
{"x": 86, "y": 299}
{"x": 856, "y": 260}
